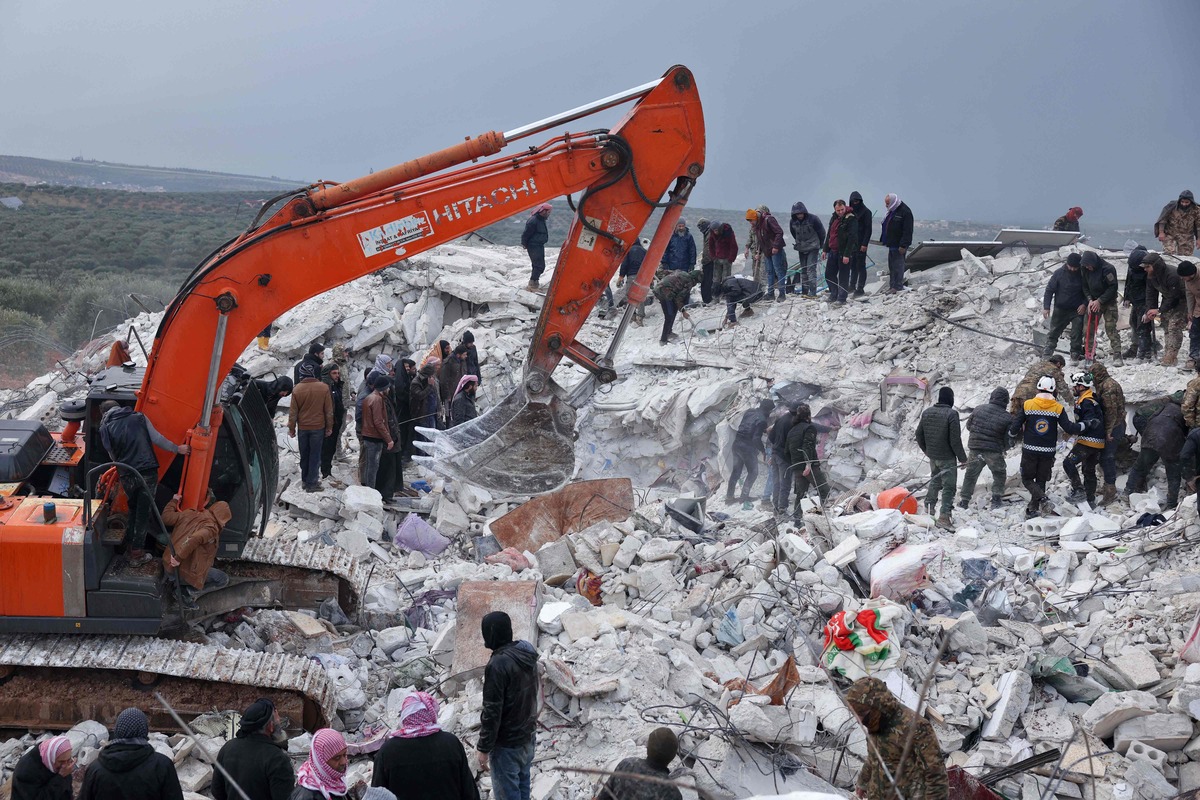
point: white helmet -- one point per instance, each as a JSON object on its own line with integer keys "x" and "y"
{"x": 1083, "y": 379}
{"x": 1046, "y": 383}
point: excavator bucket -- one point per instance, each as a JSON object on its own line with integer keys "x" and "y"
{"x": 517, "y": 447}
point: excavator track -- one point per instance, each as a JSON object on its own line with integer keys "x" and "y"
{"x": 54, "y": 681}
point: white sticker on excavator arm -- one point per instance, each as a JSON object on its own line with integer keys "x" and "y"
{"x": 391, "y": 236}
{"x": 587, "y": 239}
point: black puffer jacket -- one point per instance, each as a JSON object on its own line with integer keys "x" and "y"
{"x": 779, "y": 433}
{"x": 258, "y": 765}
{"x": 1166, "y": 431}
{"x": 862, "y": 215}
{"x": 1135, "y": 279}
{"x": 127, "y": 770}
{"x": 989, "y": 424}
{"x": 510, "y": 693}
{"x": 32, "y": 781}
{"x": 939, "y": 434}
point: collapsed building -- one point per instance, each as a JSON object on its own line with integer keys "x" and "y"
{"x": 1056, "y": 656}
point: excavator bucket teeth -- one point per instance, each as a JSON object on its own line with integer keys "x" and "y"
{"x": 518, "y": 447}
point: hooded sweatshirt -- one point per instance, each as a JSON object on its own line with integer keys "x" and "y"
{"x": 1135, "y": 278}
{"x": 1180, "y": 223}
{"x": 130, "y": 769}
{"x": 807, "y": 232}
{"x": 194, "y": 537}
{"x": 510, "y": 687}
{"x": 863, "y": 217}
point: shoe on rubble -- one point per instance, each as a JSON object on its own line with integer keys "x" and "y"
{"x": 139, "y": 557}
{"x": 944, "y": 522}
{"x": 997, "y": 501}
{"x": 1075, "y": 495}
{"x": 962, "y": 503}
{"x": 747, "y": 312}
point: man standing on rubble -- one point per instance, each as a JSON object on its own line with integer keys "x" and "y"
{"x": 1027, "y": 388}
{"x": 256, "y": 759}
{"x": 753, "y": 249}
{"x": 400, "y": 399}
{"x": 780, "y": 461}
{"x": 1069, "y": 221}
{"x": 1040, "y": 420}
{"x": 808, "y": 234}
{"x": 315, "y": 357}
{"x": 803, "y": 460}
{"x": 939, "y": 435}
{"x": 1065, "y": 290}
{"x": 1191, "y": 401}
{"x": 841, "y": 244}
{"x": 661, "y": 749}
{"x": 130, "y": 439}
{"x": 509, "y": 718}
{"x": 1178, "y": 226}
{"x": 331, "y": 376}
{"x": 770, "y": 241}
{"x": 1090, "y": 442}
{"x": 896, "y": 235}
{"x": 904, "y": 759}
{"x": 1100, "y": 289}
{"x": 1112, "y": 402}
{"x": 534, "y": 239}
{"x": 627, "y": 274}
{"x": 1165, "y": 301}
{"x": 310, "y": 420}
{"x": 1191, "y": 287}
{"x": 723, "y": 246}
{"x": 747, "y": 449}
{"x": 858, "y": 263}
{"x": 1163, "y": 431}
{"x": 680, "y": 252}
{"x": 1135, "y": 296}
{"x": 988, "y": 425}
{"x": 376, "y": 433}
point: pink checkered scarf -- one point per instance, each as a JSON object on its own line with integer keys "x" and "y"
{"x": 315, "y": 773}
{"x": 51, "y": 749}
{"x": 418, "y": 716}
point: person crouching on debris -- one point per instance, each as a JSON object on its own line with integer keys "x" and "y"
{"x": 939, "y": 435}
{"x": 323, "y": 775}
{"x": 803, "y": 460}
{"x": 988, "y": 425}
{"x": 1090, "y": 443}
{"x": 510, "y": 704}
{"x": 661, "y": 748}
{"x": 194, "y": 539}
{"x": 672, "y": 292}
{"x": 44, "y": 773}
{"x": 903, "y": 756}
{"x": 738, "y": 289}
{"x": 462, "y": 407}
{"x": 1040, "y": 420}
{"x": 420, "y": 761}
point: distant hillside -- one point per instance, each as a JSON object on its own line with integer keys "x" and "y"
{"x": 128, "y": 177}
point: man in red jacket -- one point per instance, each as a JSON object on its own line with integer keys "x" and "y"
{"x": 770, "y": 240}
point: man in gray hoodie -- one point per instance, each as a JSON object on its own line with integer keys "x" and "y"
{"x": 808, "y": 234}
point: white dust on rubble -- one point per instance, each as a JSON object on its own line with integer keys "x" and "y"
{"x": 1093, "y": 609}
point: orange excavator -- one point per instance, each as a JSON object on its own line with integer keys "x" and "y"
{"x": 62, "y": 568}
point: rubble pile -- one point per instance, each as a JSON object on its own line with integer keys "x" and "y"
{"x": 1076, "y": 633}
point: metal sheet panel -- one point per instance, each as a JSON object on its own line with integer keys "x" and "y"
{"x": 932, "y": 253}
{"x": 1037, "y": 241}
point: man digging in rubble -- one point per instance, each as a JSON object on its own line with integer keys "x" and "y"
{"x": 661, "y": 749}
{"x": 747, "y": 449}
{"x": 509, "y": 716}
{"x": 1027, "y": 388}
{"x": 1100, "y": 288}
{"x": 1165, "y": 301}
{"x": 939, "y": 435}
{"x": 1090, "y": 442}
{"x": 803, "y": 460}
{"x": 1112, "y": 402}
{"x": 1163, "y": 431}
{"x": 737, "y": 289}
{"x": 904, "y": 760}
{"x": 988, "y": 425}
{"x": 1040, "y": 420}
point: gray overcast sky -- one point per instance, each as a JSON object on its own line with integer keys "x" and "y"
{"x": 1000, "y": 111}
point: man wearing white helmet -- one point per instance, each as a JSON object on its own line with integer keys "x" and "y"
{"x": 1089, "y": 444}
{"x": 1039, "y": 420}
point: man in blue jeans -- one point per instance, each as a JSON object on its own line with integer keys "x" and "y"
{"x": 310, "y": 420}
{"x": 510, "y": 706}
{"x": 770, "y": 240}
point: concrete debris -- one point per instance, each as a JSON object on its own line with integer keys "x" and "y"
{"x": 1075, "y": 630}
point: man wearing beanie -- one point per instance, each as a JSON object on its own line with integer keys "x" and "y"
{"x": 661, "y": 749}
{"x": 1165, "y": 301}
{"x": 1100, "y": 288}
{"x": 939, "y": 435}
{"x": 256, "y": 760}
{"x": 1191, "y": 288}
{"x": 1065, "y": 292}
{"x": 128, "y": 768}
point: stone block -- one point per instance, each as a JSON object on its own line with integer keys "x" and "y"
{"x": 1044, "y": 528}
{"x": 518, "y": 599}
{"x": 1148, "y": 781}
{"x": 774, "y": 724}
{"x": 555, "y": 562}
{"x": 797, "y": 551}
{"x": 361, "y": 500}
{"x": 194, "y": 775}
{"x": 1138, "y": 666}
{"x": 389, "y": 640}
{"x": 1113, "y": 708}
{"x": 844, "y": 553}
{"x": 354, "y": 541}
{"x": 1015, "y": 688}
{"x": 450, "y": 516}
{"x": 1167, "y": 732}
{"x": 580, "y": 625}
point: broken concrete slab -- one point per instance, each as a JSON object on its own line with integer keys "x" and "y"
{"x": 1166, "y": 732}
{"x": 476, "y": 599}
{"x": 1015, "y": 688}
{"x": 555, "y": 562}
{"x": 1138, "y": 666}
{"x": 1111, "y": 709}
{"x": 576, "y": 506}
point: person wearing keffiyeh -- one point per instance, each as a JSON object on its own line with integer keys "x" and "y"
{"x": 323, "y": 775}
{"x": 44, "y": 773}
{"x": 420, "y": 761}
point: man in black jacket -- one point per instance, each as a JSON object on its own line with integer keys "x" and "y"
{"x": 1100, "y": 288}
{"x": 777, "y": 439}
{"x": 1065, "y": 290}
{"x": 534, "y": 239}
{"x": 509, "y": 718}
{"x": 256, "y": 760}
{"x": 747, "y": 448}
{"x": 128, "y": 768}
{"x": 988, "y": 426}
{"x": 627, "y": 274}
{"x": 130, "y": 439}
{"x": 1163, "y": 432}
{"x": 896, "y": 235}
{"x": 331, "y": 376}
{"x": 1166, "y": 300}
{"x": 738, "y": 289}
{"x": 939, "y": 435}
{"x": 1135, "y": 295}
{"x": 858, "y": 263}
{"x": 803, "y": 460}
{"x": 314, "y": 356}
{"x": 661, "y": 748}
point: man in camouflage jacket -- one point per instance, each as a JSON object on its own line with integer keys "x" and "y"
{"x": 902, "y": 749}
